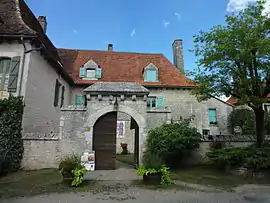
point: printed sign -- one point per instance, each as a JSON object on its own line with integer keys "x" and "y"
{"x": 120, "y": 129}
{"x": 88, "y": 160}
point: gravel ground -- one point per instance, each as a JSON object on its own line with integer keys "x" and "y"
{"x": 124, "y": 193}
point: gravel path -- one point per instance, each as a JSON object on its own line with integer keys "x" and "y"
{"x": 124, "y": 193}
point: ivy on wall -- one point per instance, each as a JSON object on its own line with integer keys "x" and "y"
{"x": 11, "y": 143}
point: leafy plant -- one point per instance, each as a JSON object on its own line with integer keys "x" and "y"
{"x": 173, "y": 142}
{"x": 68, "y": 164}
{"x": 11, "y": 143}
{"x": 78, "y": 174}
{"x": 152, "y": 164}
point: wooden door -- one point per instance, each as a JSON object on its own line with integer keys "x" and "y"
{"x": 104, "y": 141}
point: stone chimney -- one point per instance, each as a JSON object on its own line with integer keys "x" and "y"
{"x": 110, "y": 47}
{"x": 43, "y": 22}
{"x": 178, "y": 58}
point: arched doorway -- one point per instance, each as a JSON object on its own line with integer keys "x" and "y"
{"x": 104, "y": 141}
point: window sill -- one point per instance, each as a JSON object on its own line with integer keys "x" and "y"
{"x": 157, "y": 110}
{"x": 89, "y": 78}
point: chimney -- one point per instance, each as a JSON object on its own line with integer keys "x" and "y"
{"x": 110, "y": 47}
{"x": 43, "y": 22}
{"x": 178, "y": 58}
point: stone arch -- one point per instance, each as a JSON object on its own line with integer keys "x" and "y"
{"x": 140, "y": 120}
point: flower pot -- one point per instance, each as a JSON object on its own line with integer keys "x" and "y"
{"x": 152, "y": 179}
{"x": 124, "y": 148}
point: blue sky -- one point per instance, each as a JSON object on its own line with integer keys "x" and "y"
{"x": 147, "y": 26}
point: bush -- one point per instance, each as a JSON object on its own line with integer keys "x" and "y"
{"x": 11, "y": 143}
{"x": 216, "y": 145}
{"x": 172, "y": 142}
{"x": 152, "y": 160}
{"x": 251, "y": 157}
{"x": 78, "y": 174}
{"x": 68, "y": 164}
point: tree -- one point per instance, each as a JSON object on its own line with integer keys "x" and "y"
{"x": 234, "y": 59}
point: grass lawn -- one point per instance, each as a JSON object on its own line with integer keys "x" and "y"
{"x": 211, "y": 177}
{"x": 29, "y": 183}
{"x": 128, "y": 159}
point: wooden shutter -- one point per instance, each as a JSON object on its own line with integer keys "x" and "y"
{"x": 56, "y": 93}
{"x": 62, "y": 96}
{"x": 13, "y": 74}
{"x": 78, "y": 100}
{"x": 212, "y": 114}
{"x": 98, "y": 73}
{"x": 160, "y": 102}
{"x": 82, "y": 72}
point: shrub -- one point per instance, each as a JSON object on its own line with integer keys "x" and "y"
{"x": 151, "y": 160}
{"x": 226, "y": 157}
{"x": 68, "y": 164}
{"x": 216, "y": 145}
{"x": 172, "y": 142}
{"x": 253, "y": 158}
{"x": 11, "y": 143}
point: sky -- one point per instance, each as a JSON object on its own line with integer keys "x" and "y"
{"x": 145, "y": 26}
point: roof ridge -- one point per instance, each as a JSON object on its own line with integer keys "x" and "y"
{"x": 70, "y": 49}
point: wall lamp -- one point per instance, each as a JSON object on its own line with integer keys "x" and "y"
{"x": 115, "y": 105}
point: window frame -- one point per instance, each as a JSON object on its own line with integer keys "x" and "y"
{"x": 150, "y": 100}
{"x": 4, "y": 75}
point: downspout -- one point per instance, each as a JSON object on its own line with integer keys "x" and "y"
{"x": 22, "y": 71}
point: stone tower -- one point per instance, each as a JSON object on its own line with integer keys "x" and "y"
{"x": 178, "y": 58}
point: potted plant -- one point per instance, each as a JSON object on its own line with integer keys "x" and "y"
{"x": 153, "y": 170}
{"x": 124, "y": 148}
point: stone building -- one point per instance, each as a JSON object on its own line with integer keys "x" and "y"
{"x": 83, "y": 100}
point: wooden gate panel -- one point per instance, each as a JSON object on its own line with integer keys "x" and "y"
{"x": 104, "y": 141}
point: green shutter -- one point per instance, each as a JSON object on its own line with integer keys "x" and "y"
{"x": 82, "y": 72}
{"x": 212, "y": 114}
{"x": 78, "y": 100}
{"x": 62, "y": 96}
{"x": 98, "y": 73}
{"x": 13, "y": 74}
{"x": 56, "y": 93}
{"x": 160, "y": 102}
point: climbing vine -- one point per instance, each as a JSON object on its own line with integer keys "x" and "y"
{"x": 11, "y": 143}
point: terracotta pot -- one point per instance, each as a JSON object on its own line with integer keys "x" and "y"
{"x": 152, "y": 179}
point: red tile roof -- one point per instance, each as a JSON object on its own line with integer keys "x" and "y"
{"x": 123, "y": 67}
{"x": 232, "y": 101}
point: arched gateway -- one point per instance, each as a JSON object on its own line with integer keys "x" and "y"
{"x": 97, "y": 121}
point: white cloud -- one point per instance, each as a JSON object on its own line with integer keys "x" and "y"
{"x": 133, "y": 32}
{"x": 74, "y": 31}
{"x": 178, "y": 15}
{"x": 236, "y": 5}
{"x": 166, "y": 23}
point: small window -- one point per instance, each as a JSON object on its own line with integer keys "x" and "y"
{"x": 212, "y": 114}
{"x": 151, "y": 102}
{"x": 205, "y": 132}
{"x": 78, "y": 100}
{"x": 151, "y": 73}
{"x": 56, "y": 93}
{"x": 4, "y": 73}
{"x": 90, "y": 73}
{"x": 62, "y": 96}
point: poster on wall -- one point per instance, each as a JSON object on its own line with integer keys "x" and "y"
{"x": 120, "y": 129}
{"x": 88, "y": 160}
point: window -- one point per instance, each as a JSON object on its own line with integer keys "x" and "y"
{"x": 4, "y": 73}
{"x": 78, "y": 99}
{"x": 90, "y": 73}
{"x": 212, "y": 114}
{"x": 151, "y": 73}
{"x": 155, "y": 102}
{"x": 56, "y": 93}
{"x": 151, "y": 102}
{"x": 205, "y": 132}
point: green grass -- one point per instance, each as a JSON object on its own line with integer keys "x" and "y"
{"x": 127, "y": 159}
{"x": 216, "y": 178}
{"x": 29, "y": 183}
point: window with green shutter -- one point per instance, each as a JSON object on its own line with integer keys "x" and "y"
{"x": 151, "y": 102}
{"x": 78, "y": 99}
{"x": 82, "y": 72}
{"x": 13, "y": 73}
{"x": 212, "y": 116}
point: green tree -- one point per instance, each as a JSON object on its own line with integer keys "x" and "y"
{"x": 234, "y": 59}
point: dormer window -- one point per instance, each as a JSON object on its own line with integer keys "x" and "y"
{"x": 151, "y": 73}
{"x": 90, "y": 71}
